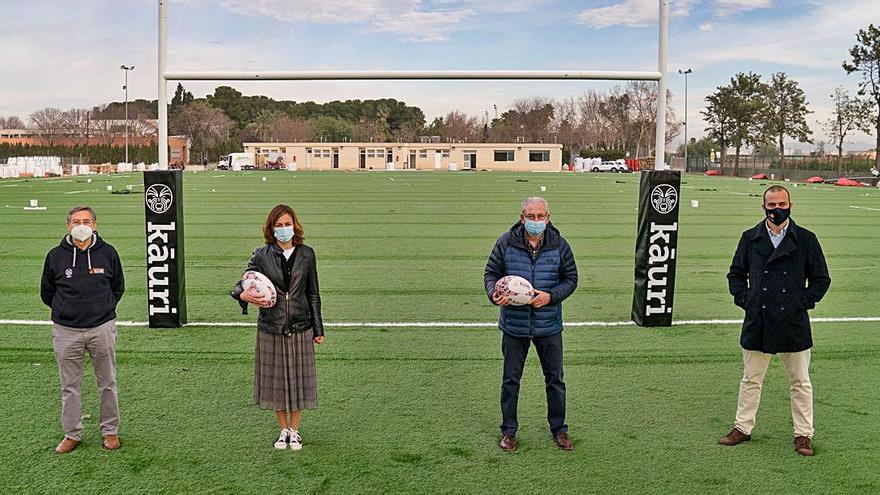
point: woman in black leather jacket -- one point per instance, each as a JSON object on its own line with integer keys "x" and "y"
{"x": 285, "y": 379}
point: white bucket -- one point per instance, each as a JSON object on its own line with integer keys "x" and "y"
{"x": 543, "y": 188}
{"x": 34, "y": 202}
{"x": 109, "y": 188}
{"x": 695, "y": 203}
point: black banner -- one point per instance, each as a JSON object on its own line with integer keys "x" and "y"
{"x": 656, "y": 248}
{"x": 166, "y": 282}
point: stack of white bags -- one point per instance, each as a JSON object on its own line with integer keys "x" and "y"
{"x": 586, "y": 164}
{"x": 37, "y": 166}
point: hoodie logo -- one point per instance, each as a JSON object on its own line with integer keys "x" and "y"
{"x": 68, "y": 273}
{"x": 159, "y": 198}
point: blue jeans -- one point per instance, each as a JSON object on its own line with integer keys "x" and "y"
{"x": 515, "y": 350}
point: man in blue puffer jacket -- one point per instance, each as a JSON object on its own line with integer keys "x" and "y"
{"x": 535, "y": 250}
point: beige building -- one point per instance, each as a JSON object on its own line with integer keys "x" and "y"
{"x": 521, "y": 157}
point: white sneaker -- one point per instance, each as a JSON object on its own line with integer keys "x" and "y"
{"x": 283, "y": 439}
{"x": 295, "y": 440}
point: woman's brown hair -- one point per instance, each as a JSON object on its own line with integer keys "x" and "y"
{"x": 274, "y": 215}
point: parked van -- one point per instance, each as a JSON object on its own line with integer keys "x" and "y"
{"x": 237, "y": 161}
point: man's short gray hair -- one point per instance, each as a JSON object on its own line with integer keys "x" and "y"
{"x": 535, "y": 199}
{"x": 81, "y": 208}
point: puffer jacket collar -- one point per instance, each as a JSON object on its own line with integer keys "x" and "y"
{"x": 518, "y": 237}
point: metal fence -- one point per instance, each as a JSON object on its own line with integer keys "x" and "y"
{"x": 797, "y": 167}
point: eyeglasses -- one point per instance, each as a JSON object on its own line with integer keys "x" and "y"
{"x": 536, "y": 217}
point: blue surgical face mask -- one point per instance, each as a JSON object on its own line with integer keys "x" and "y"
{"x": 535, "y": 228}
{"x": 284, "y": 234}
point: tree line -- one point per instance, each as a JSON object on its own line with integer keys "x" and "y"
{"x": 750, "y": 112}
{"x": 610, "y": 124}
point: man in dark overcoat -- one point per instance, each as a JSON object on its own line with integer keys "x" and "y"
{"x": 778, "y": 273}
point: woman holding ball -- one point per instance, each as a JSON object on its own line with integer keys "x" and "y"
{"x": 285, "y": 379}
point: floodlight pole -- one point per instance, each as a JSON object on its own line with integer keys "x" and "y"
{"x": 660, "y": 148}
{"x": 126, "y": 69}
{"x": 685, "y": 73}
{"x": 163, "y": 85}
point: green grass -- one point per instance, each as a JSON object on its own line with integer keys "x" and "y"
{"x": 416, "y": 410}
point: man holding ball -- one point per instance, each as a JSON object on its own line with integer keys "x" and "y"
{"x": 534, "y": 250}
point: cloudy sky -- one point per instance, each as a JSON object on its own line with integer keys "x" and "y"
{"x": 56, "y": 54}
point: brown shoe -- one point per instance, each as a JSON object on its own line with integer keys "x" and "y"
{"x": 803, "y": 446}
{"x": 111, "y": 442}
{"x": 735, "y": 437}
{"x": 508, "y": 443}
{"x": 66, "y": 445}
{"x": 563, "y": 441}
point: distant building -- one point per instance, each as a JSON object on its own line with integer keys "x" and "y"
{"x": 870, "y": 154}
{"x": 179, "y": 146}
{"x": 521, "y": 157}
{"x": 18, "y": 133}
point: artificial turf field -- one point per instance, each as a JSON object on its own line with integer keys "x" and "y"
{"x": 415, "y": 410}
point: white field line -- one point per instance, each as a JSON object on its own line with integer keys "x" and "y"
{"x": 451, "y": 324}
{"x": 864, "y": 208}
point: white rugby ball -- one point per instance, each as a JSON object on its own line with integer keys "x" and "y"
{"x": 261, "y": 283}
{"x": 517, "y": 290}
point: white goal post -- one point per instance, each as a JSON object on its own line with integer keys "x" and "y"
{"x": 165, "y": 75}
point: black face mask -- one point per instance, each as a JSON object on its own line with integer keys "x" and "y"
{"x": 779, "y": 215}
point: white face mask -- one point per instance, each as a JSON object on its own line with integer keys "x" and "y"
{"x": 81, "y": 232}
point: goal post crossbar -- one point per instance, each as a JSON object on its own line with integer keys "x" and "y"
{"x": 165, "y": 75}
{"x": 373, "y": 75}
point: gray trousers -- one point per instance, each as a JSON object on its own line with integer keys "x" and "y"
{"x": 70, "y": 346}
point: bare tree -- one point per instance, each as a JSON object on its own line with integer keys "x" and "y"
{"x": 615, "y": 111}
{"x": 290, "y": 130}
{"x": 458, "y": 126}
{"x": 565, "y": 125}
{"x": 408, "y": 132}
{"x": 12, "y": 122}
{"x": 591, "y": 125}
{"x": 143, "y": 127}
{"x": 50, "y": 122}
{"x": 533, "y": 116}
{"x": 848, "y": 114}
{"x": 643, "y": 106}
{"x": 368, "y": 131}
{"x": 785, "y": 113}
{"x": 260, "y": 128}
{"x": 76, "y": 123}
{"x": 866, "y": 60}
{"x": 205, "y": 125}
{"x": 102, "y": 129}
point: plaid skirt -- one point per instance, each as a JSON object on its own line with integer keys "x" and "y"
{"x": 284, "y": 372}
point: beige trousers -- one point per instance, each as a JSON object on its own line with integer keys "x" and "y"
{"x": 71, "y": 345}
{"x": 797, "y": 366}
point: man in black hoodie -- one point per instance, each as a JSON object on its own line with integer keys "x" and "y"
{"x": 82, "y": 283}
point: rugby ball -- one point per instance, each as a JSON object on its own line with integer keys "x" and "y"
{"x": 261, "y": 283}
{"x": 517, "y": 290}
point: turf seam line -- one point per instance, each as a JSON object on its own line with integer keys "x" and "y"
{"x": 451, "y": 324}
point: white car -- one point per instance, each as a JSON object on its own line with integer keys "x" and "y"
{"x": 615, "y": 166}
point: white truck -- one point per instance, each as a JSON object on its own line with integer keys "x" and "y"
{"x": 237, "y": 161}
